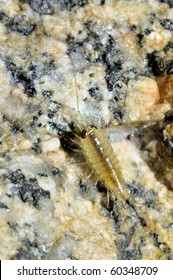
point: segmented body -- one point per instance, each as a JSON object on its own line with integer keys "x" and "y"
{"x": 102, "y": 160}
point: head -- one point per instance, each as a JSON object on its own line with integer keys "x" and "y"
{"x": 86, "y": 131}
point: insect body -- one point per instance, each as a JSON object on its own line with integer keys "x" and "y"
{"x": 101, "y": 159}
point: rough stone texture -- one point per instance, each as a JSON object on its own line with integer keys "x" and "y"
{"x": 64, "y": 67}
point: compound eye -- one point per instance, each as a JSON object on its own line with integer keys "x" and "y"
{"x": 84, "y": 133}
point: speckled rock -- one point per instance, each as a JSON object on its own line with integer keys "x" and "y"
{"x": 64, "y": 66}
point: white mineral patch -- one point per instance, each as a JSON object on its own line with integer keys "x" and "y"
{"x": 50, "y": 145}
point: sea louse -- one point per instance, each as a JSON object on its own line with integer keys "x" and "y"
{"x": 102, "y": 160}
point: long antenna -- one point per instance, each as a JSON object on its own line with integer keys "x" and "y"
{"x": 77, "y": 92}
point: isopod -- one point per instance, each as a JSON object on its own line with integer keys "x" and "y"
{"x": 101, "y": 159}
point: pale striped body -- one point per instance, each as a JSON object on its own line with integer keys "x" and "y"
{"x": 102, "y": 160}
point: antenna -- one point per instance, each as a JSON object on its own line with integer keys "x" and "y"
{"x": 77, "y": 92}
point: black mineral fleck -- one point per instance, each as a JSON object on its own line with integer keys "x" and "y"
{"x": 43, "y": 7}
{"x": 82, "y": 187}
{"x": 137, "y": 190}
{"x": 133, "y": 254}
{"x": 51, "y": 113}
{"x": 15, "y": 128}
{"x": 58, "y": 128}
{"x": 36, "y": 147}
{"x": 33, "y": 70}
{"x": 147, "y": 31}
{"x": 142, "y": 221}
{"x": 20, "y": 25}
{"x": 69, "y": 5}
{"x": 3, "y": 206}
{"x": 16, "y": 177}
{"x": 168, "y": 47}
{"x": 47, "y": 94}
{"x": 125, "y": 252}
{"x": 112, "y": 74}
{"x": 55, "y": 171}
{"x": 31, "y": 192}
{"x": 20, "y": 76}
{"x": 156, "y": 242}
{"x": 95, "y": 93}
{"x": 30, "y": 250}
{"x": 167, "y": 24}
{"x": 133, "y": 28}
{"x": 2, "y": 15}
{"x": 46, "y": 7}
{"x": 27, "y": 189}
{"x": 140, "y": 37}
{"x": 118, "y": 115}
